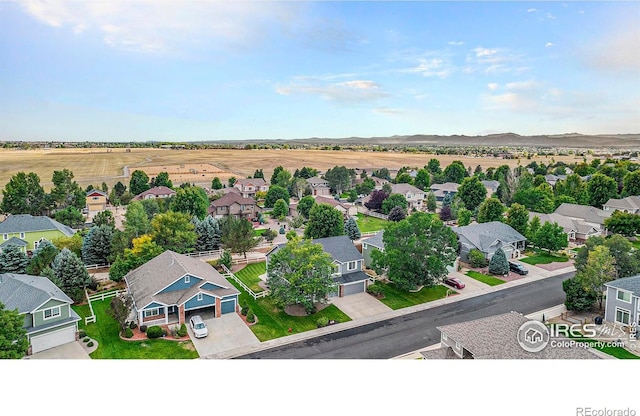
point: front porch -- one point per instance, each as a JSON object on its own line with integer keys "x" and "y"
{"x": 160, "y": 316}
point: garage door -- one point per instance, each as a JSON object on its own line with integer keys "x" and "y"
{"x": 228, "y": 306}
{"x": 53, "y": 339}
{"x": 353, "y": 288}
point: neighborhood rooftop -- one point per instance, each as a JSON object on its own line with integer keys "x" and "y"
{"x": 485, "y": 234}
{"x": 375, "y": 240}
{"x": 27, "y": 223}
{"x": 26, "y": 292}
{"x": 630, "y": 284}
{"x": 586, "y": 212}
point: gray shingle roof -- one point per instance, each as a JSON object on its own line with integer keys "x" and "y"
{"x": 495, "y": 337}
{"x": 630, "y": 202}
{"x": 585, "y": 212}
{"x": 341, "y": 248}
{"x": 567, "y": 224}
{"x": 375, "y": 240}
{"x": 27, "y": 292}
{"x": 492, "y": 185}
{"x": 96, "y": 191}
{"x": 404, "y": 188}
{"x": 317, "y": 180}
{"x": 156, "y": 191}
{"x": 14, "y": 241}
{"x": 631, "y": 284}
{"x": 447, "y": 186}
{"x": 156, "y": 274}
{"x": 25, "y": 223}
{"x": 251, "y": 181}
{"x": 358, "y": 276}
{"x": 483, "y": 235}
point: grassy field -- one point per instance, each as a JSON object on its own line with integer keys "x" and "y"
{"x": 398, "y": 299}
{"x": 368, "y": 224}
{"x": 93, "y": 166}
{"x": 249, "y": 275}
{"x": 490, "y": 280}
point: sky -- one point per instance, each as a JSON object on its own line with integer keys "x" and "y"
{"x": 202, "y": 70}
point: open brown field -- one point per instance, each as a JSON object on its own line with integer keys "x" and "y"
{"x": 93, "y": 166}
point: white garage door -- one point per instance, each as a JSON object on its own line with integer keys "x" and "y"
{"x": 53, "y": 339}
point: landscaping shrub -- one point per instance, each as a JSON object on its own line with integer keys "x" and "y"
{"x": 82, "y": 333}
{"x": 375, "y": 290}
{"x": 182, "y": 331}
{"x": 143, "y": 328}
{"x": 85, "y": 340}
{"x": 322, "y": 321}
{"x": 244, "y": 310}
{"x": 499, "y": 264}
{"x": 476, "y": 258}
{"x": 90, "y": 344}
{"x": 93, "y": 284}
{"x": 155, "y": 332}
{"x": 251, "y": 318}
{"x": 133, "y": 325}
{"x": 128, "y": 333}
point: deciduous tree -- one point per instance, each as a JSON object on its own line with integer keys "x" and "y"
{"x": 551, "y": 237}
{"x": 376, "y": 199}
{"x": 394, "y": 200}
{"x": 237, "y": 235}
{"x": 472, "y": 192}
{"x": 455, "y": 172}
{"x": 174, "y": 231}
{"x": 280, "y": 209}
{"x": 139, "y": 182}
{"x": 624, "y": 223}
{"x": 397, "y": 213}
{"x": 136, "y": 221}
{"x": 598, "y": 270}
{"x": 490, "y": 210}
{"x": 324, "y": 221}
{"x": 13, "y": 337}
{"x": 600, "y": 189}
{"x": 518, "y": 218}
{"x": 70, "y": 216}
{"x": 23, "y": 194}
{"x": 276, "y": 192}
{"x": 305, "y": 205}
{"x": 104, "y": 218}
{"x": 192, "y": 201}
{"x": 576, "y": 297}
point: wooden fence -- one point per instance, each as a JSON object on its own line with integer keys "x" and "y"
{"x": 97, "y": 266}
{"x": 229, "y": 274}
{"x": 96, "y": 297}
{"x": 376, "y": 215}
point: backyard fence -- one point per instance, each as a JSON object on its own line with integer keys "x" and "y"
{"x": 229, "y": 274}
{"x": 97, "y": 266}
{"x": 376, "y": 215}
{"x": 96, "y": 297}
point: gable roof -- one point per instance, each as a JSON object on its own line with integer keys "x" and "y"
{"x": 251, "y": 181}
{"x": 341, "y": 248}
{"x": 158, "y": 273}
{"x": 631, "y": 284}
{"x": 447, "y": 186}
{"x": 96, "y": 192}
{"x": 568, "y": 224}
{"x": 375, "y": 240}
{"x": 630, "y": 202}
{"x": 230, "y": 198}
{"x": 27, "y": 292}
{"x": 491, "y": 185}
{"x": 585, "y": 212}
{"x": 404, "y": 188}
{"x": 317, "y": 180}
{"x": 332, "y": 201}
{"x": 24, "y": 223}
{"x": 495, "y": 337}
{"x": 485, "y": 234}
{"x": 156, "y": 191}
{"x": 14, "y": 241}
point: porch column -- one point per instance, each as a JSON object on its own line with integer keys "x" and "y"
{"x": 181, "y": 314}
{"x": 218, "y": 307}
{"x": 140, "y": 318}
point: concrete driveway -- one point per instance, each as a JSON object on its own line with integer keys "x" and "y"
{"x": 360, "y": 305}
{"x": 227, "y": 332}
{"x": 470, "y": 284}
{"x": 69, "y": 351}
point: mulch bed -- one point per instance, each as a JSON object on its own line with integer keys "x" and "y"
{"x": 298, "y": 310}
{"x": 139, "y": 335}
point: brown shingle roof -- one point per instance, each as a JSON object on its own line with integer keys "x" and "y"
{"x": 231, "y": 198}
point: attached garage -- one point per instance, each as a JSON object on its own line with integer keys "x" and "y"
{"x": 228, "y": 306}
{"x": 53, "y": 339}
{"x": 353, "y": 288}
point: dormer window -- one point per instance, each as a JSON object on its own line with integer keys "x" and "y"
{"x": 187, "y": 279}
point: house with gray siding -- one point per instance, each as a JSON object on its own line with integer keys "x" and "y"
{"x": 347, "y": 263}
{"x": 48, "y": 317}
{"x": 371, "y": 244}
{"x": 171, "y": 286}
{"x": 489, "y": 237}
{"x": 623, "y": 301}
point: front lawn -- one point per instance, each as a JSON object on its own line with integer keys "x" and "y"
{"x": 490, "y": 280}
{"x": 275, "y": 323}
{"x": 398, "y": 299}
{"x": 542, "y": 257}
{"x": 617, "y": 352}
{"x": 110, "y": 346}
{"x": 368, "y": 224}
{"x": 249, "y": 275}
{"x": 258, "y": 233}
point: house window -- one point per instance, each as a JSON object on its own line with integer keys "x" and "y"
{"x": 5, "y": 236}
{"x": 624, "y": 296}
{"x": 352, "y": 265}
{"x": 187, "y": 279}
{"x": 364, "y": 246}
{"x": 52, "y": 312}
{"x": 336, "y": 269}
{"x": 151, "y": 312}
{"x": 199, "y": 297}
{"x": 21, "y": 235}
{"x": 444, "y": 336}
{"x": 95, "y": 198}
{"x": 622, "y": 316}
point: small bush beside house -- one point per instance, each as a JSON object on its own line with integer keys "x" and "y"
{"x": 476, "y": 258}
{"x": 155, "y": 332}
{"x": 499, "y": 264}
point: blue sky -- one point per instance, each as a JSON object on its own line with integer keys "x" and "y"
{"x": 202, "y": 70}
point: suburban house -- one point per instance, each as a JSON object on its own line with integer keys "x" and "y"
{"x": 32, "y": 230}
{"x": 496, "y": 337}
{"x": 489, "y": 237}
{"x": 577, "y": 230}
{"x": 169, "y": 287}
{"x": 347, "y": 261}
{"x": 236, "y": 205}
{"x": 440, "y": 190}
{"x": 623, "y": 301}
{"x": 155, "y": 192}
{"x": 369, "y": 245}
{"x": 15, "y": 241}
{"x": 553, "y": 179}
{"x": 249, "y": 187}
{"x": 96, "y": 200}
{"x": 413, "y": 195}
{"x": 48, "y": 317}
{"x": 629, "y": 204}
{"x": 347, "y": 210}
{"x": 590, "y": 215}
{"x": 379, "y": 182}
{"x": 491, "y": 186}
{"x": 319, "y": 186}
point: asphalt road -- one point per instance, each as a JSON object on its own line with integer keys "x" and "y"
{"x": 407, "y": 333}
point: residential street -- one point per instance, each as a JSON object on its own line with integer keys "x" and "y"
{"x": 403, "y": 334}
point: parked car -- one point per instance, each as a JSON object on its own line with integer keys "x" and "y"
{"x": 518, "y": 268}
{"x": 454, "y": 282}
{"x": 198, "y": 326}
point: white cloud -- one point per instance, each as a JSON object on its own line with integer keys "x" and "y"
{"x": 550, "y": 16}
{"x": 167, "y": 26}
{"x": 480, "y": 52}
{"x": 344, "y": 92}
{"x": 522, "y": 85}
{"x": 455, "y": 43}
{"x": 492, "y": 61}
{"x": 548, "y": 44}
{"x": 532, "y": 10}
{"x": 492, "y": 86}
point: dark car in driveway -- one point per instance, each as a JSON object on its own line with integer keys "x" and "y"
{"x": 518, "y": 268}
{"x": 454, "y": 282}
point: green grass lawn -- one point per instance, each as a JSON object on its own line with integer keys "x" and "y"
{"x": 398, "y": 299}
{"x": 617, "y": 352}
{"x": 490, "y": 280}
{"x": 275, "y": 323}
{"x": 249, "y": 275}
{"x": 636, "y": 244}
{"x": 369, "y": 224}
{"x": 110, "y": 346}
{"x": 542, "y": 257}
{"x": 258, "y": 233}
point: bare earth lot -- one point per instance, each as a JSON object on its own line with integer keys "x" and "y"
{"x": 93, "y": 166}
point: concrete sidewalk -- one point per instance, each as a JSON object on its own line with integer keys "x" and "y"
{"x": 236, "y": 352}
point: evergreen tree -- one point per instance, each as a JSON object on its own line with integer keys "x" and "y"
{"x": 351, "y": 229}
{"x": 208, "y": 232}
{"x": 216, "y": 183}
{"x": 139, "y": 182}
{"x": 96, "y": 247}
{"x": 13, "y": 260}
{"x": 23, "y": 194}
{"x": 499, "y": 264}
{"x": 42, "y": 257}
{"x": 71, "y": 273}
{"x": 431, "y": 202}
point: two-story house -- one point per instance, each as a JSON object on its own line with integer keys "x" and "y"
{"x": 347, "y": 262}
{"x": 236, "y": 205}
{"x": 623, "y": 301}
{"x": 48, "y": 317}
{"x": 413, "y": 195}
{"x": 155, "y": 192}
{"x": 630, "y": 204}
{"x": 440, "y": 190}
{"x": 588, "y": 214}
{"x": 28, "y": 231}
{"x": 96, "y": 200}
{"x": 319, "y": 186}
{"x": 249, "y": 187}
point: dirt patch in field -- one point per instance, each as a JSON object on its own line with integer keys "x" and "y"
{"x": 189, "y": 172}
